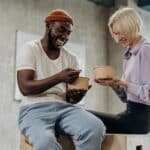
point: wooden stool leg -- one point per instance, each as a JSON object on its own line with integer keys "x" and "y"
{"x": 114, "y": 142}
{"x": 24, "y": 144}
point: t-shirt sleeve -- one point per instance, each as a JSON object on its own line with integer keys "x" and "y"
{"x": 25, "y": 58}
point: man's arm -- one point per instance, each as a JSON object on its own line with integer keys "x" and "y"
{"x": 29, "y": 86}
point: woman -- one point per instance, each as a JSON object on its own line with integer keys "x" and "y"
{"x": 134, "y": 87}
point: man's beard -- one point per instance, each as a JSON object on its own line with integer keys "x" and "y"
{"x": 51, "y": 40}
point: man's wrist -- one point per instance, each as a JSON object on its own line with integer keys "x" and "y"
{"x": 59, "y": 78}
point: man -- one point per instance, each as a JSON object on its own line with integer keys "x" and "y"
{"x": 43, "y": 69}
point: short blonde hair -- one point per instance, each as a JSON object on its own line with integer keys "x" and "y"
{"x": 127, "y": 20}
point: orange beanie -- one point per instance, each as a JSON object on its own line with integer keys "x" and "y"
{"x": 58, "y": 15}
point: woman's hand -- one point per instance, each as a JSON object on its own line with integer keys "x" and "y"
{"x": 122, "y": 83}
{"x": 107, "y": 82}
{"x": 114, "y": 83}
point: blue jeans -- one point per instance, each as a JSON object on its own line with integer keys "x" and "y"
{"x": 39, "y": 123}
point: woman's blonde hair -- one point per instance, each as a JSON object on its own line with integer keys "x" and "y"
{"x": 127, "y": 20}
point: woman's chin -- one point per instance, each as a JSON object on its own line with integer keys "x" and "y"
{"x": 125, "y": 45}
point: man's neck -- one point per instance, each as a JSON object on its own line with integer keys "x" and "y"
{"x": 52, "y": 53}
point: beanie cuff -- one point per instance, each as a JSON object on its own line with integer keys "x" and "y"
{"x": 58, "y": 18}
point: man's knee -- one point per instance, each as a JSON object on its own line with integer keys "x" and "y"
{"x": 97, "y": 129}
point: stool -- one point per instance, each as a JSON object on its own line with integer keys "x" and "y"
{"x": 65, "y": 141}
{"x": 114, "y": 142}
{"x": 111, "y": 142}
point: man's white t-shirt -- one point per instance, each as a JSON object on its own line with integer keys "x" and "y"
{"x": 32, "y": 56}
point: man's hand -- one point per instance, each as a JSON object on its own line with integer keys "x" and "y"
{"x": 74, "y": 96}
{"x": 69, "y": 75}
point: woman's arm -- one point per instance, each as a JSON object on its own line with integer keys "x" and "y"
{"x": 114, "y": 84}
{"x": 121, "y": 93}
{"x": 142, "y": 90}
